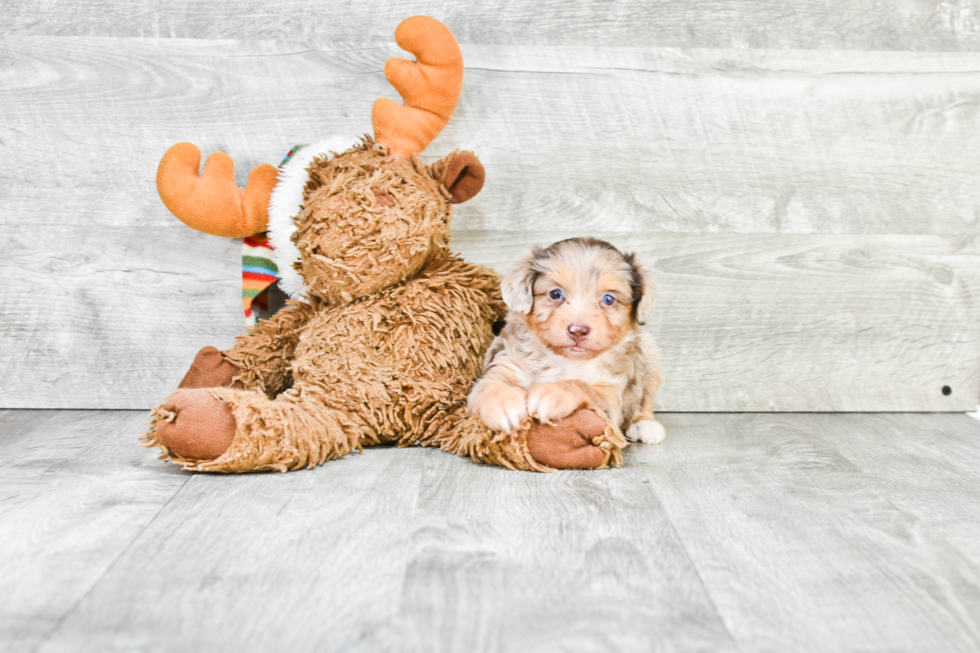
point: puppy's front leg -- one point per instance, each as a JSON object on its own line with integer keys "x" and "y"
{"x": 550, "y": 401}
{"x": 645, "y": 428}
{"x": 500, "y": 405}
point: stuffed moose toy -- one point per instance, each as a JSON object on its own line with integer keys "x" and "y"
{"x": 387, "y": 328}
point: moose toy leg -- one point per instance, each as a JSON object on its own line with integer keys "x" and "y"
{"x": 231, "y": 430}
{"x": 583, "y": 440}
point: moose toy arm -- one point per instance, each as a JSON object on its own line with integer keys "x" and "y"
{"x": 263, "y": 354}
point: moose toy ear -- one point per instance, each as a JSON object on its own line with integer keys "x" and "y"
{"x": 463, "y": 176}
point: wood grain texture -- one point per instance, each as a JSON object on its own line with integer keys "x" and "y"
{"x": 803, "y": 548}
{"x": 563, "y": 562}
{"x": 724, "y": 142}
{"x": 75, "y": 491}
{"x": 403, "y": 550}
{"x": 111, "y": 317}
{"x": 788, "y": 323}
{"x": 755, "y": 323}
{"x": 832, "y": 152}
{"x": 740, "y": 532}
{"x": 764, "y": 24}
{"x": 301, "y": 562}
{"x": 649, "y": 139}
{"x": 946, "y": 497}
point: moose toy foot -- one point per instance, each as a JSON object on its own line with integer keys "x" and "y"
{"x": 196, "y": 425}
{"x": 568, "y": 443}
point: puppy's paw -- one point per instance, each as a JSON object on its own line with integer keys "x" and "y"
{"x": 548, "y": 402}
{"x": 647, "y": 431}
{"x": 503, "y": 408}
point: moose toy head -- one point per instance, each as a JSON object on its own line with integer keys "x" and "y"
{"x": 346, "y": 225}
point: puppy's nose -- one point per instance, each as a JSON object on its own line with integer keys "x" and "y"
{"x": 578, "y": 331}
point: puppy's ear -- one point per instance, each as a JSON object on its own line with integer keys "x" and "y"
{"x": 644, "y": 290}
{"x": 517, "y": 285}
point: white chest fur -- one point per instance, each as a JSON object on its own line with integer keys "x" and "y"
{"x": 592, "y": 372}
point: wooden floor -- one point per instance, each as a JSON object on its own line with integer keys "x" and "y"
{"x": 750, "y": 532}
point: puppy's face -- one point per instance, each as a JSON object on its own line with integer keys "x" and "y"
{"x": 582, "y": 296}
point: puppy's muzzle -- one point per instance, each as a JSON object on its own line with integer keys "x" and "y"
{"x": 578, "y": 332}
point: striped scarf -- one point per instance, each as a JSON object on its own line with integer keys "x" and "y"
{"x": 259, "y": 271}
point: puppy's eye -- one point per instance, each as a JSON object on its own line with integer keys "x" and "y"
{"x": 608, "y": 300}
{"x": 555, "y": 294}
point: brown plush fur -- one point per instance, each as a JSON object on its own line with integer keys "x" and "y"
{"x": 387, "y": 345}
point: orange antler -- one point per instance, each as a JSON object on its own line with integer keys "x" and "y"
{"x": 213, "y": 203}
{"x": 430, "y": 87}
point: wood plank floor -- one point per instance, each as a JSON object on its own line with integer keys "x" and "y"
{"x": 748, "y": 532}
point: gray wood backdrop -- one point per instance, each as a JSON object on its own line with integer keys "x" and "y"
{"x": 803, "y": 178}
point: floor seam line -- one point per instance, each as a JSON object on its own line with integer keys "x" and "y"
{"x": 687, "y": 553}
{"x": 102, "y": 576}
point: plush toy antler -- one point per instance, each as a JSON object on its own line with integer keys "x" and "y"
{"x": 430, "y": 87}
{"x": 213, "y": 203}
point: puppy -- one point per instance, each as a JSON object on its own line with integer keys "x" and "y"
{"x": 572, "y": 339}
